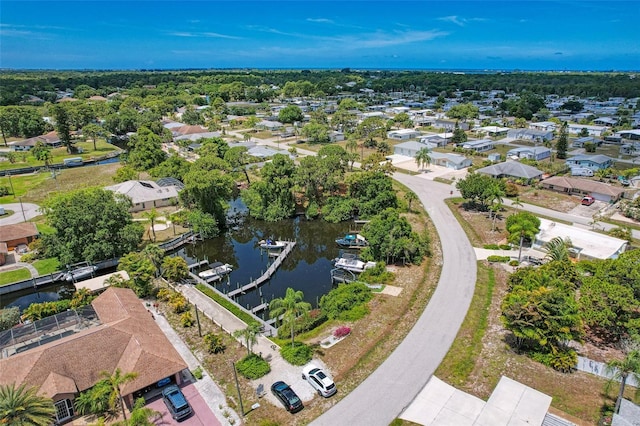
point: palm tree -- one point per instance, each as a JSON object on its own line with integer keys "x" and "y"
{"x": 93, "y": 131}
{"x": 516, "y": 202}
{"x": 20, "y": 406}
{"x": 155, "y": 254}
{"x": 290, "y": 307}
{"x": 620, "y": 370}
{"x": 141, "y": 415}
{"x": 520, "y": 226}
{"x": 116, "y": 380}
{"x": 557, "y": 249}
{"x": 250, "y": 334}
{"x": 423, "y": 158}
{"x": 410, "y": 197}
{"x": 351, "y": 145}
{"x": 152, "y": 215}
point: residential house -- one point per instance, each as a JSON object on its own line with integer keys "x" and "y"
{"x": 531, "y": 135}
{"x": 585, "y": 244}
{"x": 411, "y": 148}
{"x": 336, "y": 136}
{"x": 576, "y": 186}
{"x": 479, "y": 145}
{"x": 536, "y": 153}
{"x": 580, "y": 142}
{"x": 512, "y": 170}
{"x": 545, "y": 126}
{"x": 630, "y": 148}
{"x": 440, "y": 140}
{"x": 593, "y": 162}
{"x": 51, "y": 139}
{"x": 450, "y": 161}
{"x": 493, "y": 131}
{"x": 18, "y": 233}
{"x": 606, "y": 121}
{"x": 575, "y": 129}
{"x": 269, "y": 125}
{"x": 115, "y": 332}
{"x": 146, "y": 194}
{"x": 633, "y": 135}
{"x": 403, "y": 134}
{"x": 449, "y": 125}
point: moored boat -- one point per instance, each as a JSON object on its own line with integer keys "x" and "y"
{"x": 352, "y": 240}
{"x": 352, "y": 263}
{"x": 270, "y": 244}
{"x": 217, "y": 271}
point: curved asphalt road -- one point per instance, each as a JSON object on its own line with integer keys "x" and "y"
{"x": 30, "y": 211}
{"x": 391, "y": 388}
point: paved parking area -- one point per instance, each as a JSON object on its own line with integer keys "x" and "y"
{"x": 202, "y": 414}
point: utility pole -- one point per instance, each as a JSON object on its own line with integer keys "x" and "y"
{"x": 235, "y": 375}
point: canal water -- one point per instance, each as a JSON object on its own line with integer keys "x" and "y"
{"x": 306, "y": 268}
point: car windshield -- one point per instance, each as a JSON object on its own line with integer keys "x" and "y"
{"x": 291, "y": 396}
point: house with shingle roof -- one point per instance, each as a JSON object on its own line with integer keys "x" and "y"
{"x": 146, "y": 194}
{"x": 18, "y": 233}
{"x": 575, "y": 186}
{"x": 126, "y": 337}
{"x": 512, "y": 169}
{"x": 593, "y": 162}
{"x": 51, "y": 139}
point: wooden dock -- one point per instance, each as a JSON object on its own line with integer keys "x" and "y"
{"x": 268, "y": 273}
{"x": 260, "y": 308}
{"x": 198, "y": 264}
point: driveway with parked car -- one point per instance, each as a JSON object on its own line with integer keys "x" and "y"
{"x": 202, "y": 414}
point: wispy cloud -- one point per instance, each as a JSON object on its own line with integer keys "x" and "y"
{"x": 203, "y": 35}
{"x": 23, "y": 31}
{"x": 460, "y": 21}
{"x": 320, "y": 20}
{"x": 394, "y": 38}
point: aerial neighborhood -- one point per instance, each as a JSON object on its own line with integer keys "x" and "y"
{"x": 253, "y": 246}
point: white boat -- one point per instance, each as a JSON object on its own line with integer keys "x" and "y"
{"x": 217, "y": 271}
{"x": 271, "y": 244}
{"x": 353, "y": 264}
{"x": 79, "y": 272}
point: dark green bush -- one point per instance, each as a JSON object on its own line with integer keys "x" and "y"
{"x": 304, "y": 323}
{"x": 505, "y": 246}
{"x": 253, "y": 367}
{"x": 377, "y": 275}
{"x": 491, "y": 246}
{"x": 560, "y": 360}
{"x": 501, "y": 259}
{"x": 344, "y": 298}
{"x": 354, "y": 314}
{"x": 296, "y": 353}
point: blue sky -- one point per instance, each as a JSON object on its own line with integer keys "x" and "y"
{"x": 526, "y": 35}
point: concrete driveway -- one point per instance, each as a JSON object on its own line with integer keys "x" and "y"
{"x": 30, "y": 211}
{"x": 394, "y": 385}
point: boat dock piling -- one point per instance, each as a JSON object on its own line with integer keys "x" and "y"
{"x": 268, "y": 273}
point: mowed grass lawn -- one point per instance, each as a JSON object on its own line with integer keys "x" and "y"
{"x": 26, "y": 159}
{"x": 36, "y": 187}
{"x": 15, "y": 275}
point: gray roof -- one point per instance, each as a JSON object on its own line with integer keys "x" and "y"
{"x": 511, "y": 168}
{"x": 598, "y": 158}
{"x": 452, "y": 158}
{"x": 533, "y": 149}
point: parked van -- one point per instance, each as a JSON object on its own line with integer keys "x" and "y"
{"x": 581, "y": 171}
{"x": 176, "y": 402}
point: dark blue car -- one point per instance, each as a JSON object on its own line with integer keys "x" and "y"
{"x": 287, "y": 396}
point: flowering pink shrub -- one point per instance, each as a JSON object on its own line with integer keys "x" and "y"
{"x": 341, "y": 332}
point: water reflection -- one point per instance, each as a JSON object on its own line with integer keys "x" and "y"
{"x": 307, "y": 267}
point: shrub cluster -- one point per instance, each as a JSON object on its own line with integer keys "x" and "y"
{"x": 500, "y": 259}
{"x": 296, "y": 353}
{"x": 186, "y": 319}
{"x": 253, "y": 367}
{"x": 214, "y": 343}
{"x": 346, "y": 302}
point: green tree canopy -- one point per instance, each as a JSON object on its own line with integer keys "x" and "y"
{"x": 290, "y": 114}
{"x": 521, "y": 226}
{"x": 90, "y": 224}
{"x": 145, "y": 150}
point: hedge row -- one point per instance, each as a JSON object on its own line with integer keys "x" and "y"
{"x": 227, "y": 304}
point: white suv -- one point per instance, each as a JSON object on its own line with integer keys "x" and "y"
{"x": 319, "y": 380}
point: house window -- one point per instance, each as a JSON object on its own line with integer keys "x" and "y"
{"x": 64, "y": 410}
